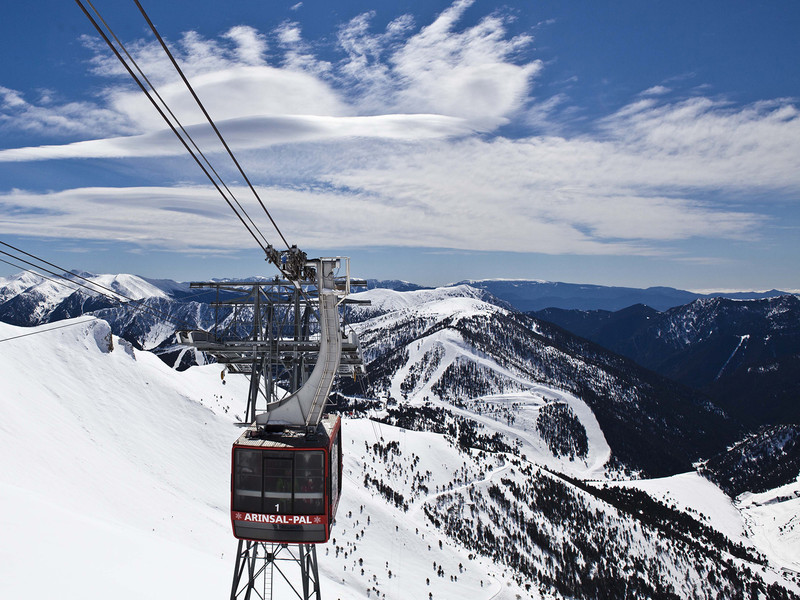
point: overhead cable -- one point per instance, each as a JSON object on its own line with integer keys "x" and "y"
{"x": 21, "y": 268}
{"x": 175, "y": 118}
{"x": 167, "y": 120}
{"x": 118, "y": 297}
{"x": 208, "y": 117}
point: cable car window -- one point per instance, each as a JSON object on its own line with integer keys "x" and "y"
{"x": 335, "y": 462}
{"x": 247, "y": 481}
{"x": 277, "y": 483}
{"x": 309, "y": 483}
{"x": 339, "y": 461}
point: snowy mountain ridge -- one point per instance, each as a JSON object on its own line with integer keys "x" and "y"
{"x": 534, "y": 295}
{"x": 463, "y": 299}
{"x": 456, "y": 344}
{"x": 29, "y": 299}
{"x": 465, "y": 343}
{"x": 132, "y": 286}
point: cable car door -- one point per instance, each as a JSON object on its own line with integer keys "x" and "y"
{"x": 278, "y": 477}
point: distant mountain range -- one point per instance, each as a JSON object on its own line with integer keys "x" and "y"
{"x": 394, "y": 284}
{"x": 745, "y": 354}
{"x": 740, "y": 357}
{"x": 528, "y": 295}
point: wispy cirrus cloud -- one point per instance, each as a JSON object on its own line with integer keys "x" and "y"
{"x": 548, "y": 195}
{"x": 620, "y": 192}
{"x": 20, "y": 114}
{"x": 552, "y": 195}
{"x": 707, "y": 142}
{"x": 473, "y": 73}
{"x": 252, "y": 132}
{"x": 149, "y": 217}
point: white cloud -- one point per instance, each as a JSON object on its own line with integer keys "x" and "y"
{"x": 289, "y": 33}
{"x": 464, "y": 73}
{"x": 234, "y": 93}
{"x": 251, "y": 46}
{"x": 470, "y": 73}
{"x": 547, "y": 114}
{"x": 297, "y": 53}
{"x": 249, "y": 133}
{"x": 71, "y": 118}
{"x": 707, "y": 143}
{"x": 547, "y": 195}
{"x": 624, "y": 191}
{"x": 193, "y": 52}
{"x": 656, "y": 90}
{"x": 141, "y": 216}
{"x": 154, "y": 218}
{"x": 366, "y": 67}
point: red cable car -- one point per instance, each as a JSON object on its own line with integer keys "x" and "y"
{"x": 285, "y": 486}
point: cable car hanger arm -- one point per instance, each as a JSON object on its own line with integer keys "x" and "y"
{"x": 304, "y": 407}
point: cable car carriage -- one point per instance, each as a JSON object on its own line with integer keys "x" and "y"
{"x": 285, "y": 486}
{"x": 286, "y": 467}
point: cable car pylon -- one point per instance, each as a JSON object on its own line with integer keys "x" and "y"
{"x": 286, "y": 467}
{"x": 257, "y": 562}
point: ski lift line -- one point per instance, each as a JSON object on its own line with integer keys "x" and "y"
{"x": 139, "y": 307}
{"x": 61, "y": 276}
{"x": 175, "y": 118}
{"x": 58, "y": 275}
{"x": 113, "y": 48}
{"x": 118, "y": 297}
{"x": 163, "y": 115}
{"x": 268, "y": 250}
{"x": 210, "y": 120}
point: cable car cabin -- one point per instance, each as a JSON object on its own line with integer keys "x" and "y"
{"x": 285, "y": 487}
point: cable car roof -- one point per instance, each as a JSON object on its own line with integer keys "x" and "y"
{"x": 290, "y": 438}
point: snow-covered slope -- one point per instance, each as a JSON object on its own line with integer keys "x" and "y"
{"x": 16, "y": 284}
{"x": 113, "y": 465}
{"x": 441, "y": 300}
{"x": 115, "y": 481}
{"x": 451, "y": 346}
{"x": 772, "y": 520}
{"x": 768, "y": 521}
{"x": 131, "y": 286}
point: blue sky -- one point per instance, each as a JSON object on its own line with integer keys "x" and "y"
{"x": 619, "y": 143}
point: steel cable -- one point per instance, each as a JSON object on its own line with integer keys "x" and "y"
{"x": 166, "y": 119}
